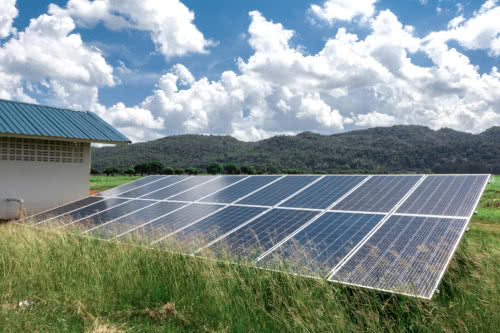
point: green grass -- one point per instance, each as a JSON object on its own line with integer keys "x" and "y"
{"x": 78, "y": 284}
{"x": 102, "y": 183}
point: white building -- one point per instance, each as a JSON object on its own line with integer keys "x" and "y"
{"x": 45, "y": 155}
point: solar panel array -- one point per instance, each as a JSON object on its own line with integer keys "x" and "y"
{"x": 395, "y": 233}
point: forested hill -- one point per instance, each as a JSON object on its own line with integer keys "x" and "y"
{"x": 387, "y": 149}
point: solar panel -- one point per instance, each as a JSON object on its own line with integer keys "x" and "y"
{"x": 84, "y": 212}
{"x": 255, "y": 238}
{"x": 166, "y": 225}
{"x": 321, "y": 245}
{"x": 130, "y": 186}
{"x": 274, "y": 193}
{"x": 109, "y": 214}
{"x": 125, "y": 224}
{"x": 406, "y": 255}
{"x": 178, "y": 188}
{"x": 446, "y": 195}
{"x": 151, "y": 187}
{"x": 212, "y": 227}
{"x": 62, "y": 210}
{"x": 378, "y": 194}
{"x": 323, "y": 193}
{"x": 392, "y": 233}
{"x": 241, "y": 189}
{"x": 208, "y": 188}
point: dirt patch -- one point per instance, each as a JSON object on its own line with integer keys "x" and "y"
{"x": 94, "y": 192}
{"x": 486, "y": 227}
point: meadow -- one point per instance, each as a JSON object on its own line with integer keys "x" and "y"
{"x": 75, "y": 284}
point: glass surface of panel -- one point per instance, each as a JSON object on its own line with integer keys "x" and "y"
{"x": 177, "y": 188}
{"x": 207, "y": 189}
{"x": 250, "y": 241}
{"x": 406, "y": 255}
{"x": 274, "y": 193}
{"x": 378, "y": 194}
{"x": 170, "y": 223}
{"x": 110, "y": 214}
{"x": 84, "y": 212}
{"x": 136, "y": 219}
{"x": 320, "y": 246}
{"x": 212, "y": 227}
{"x": 61, "y": 210}
{"x": 241, "y": 189}
{"x": 138, "y": 192}
{"x": 130, "y": 186}
{"x": 445, "y": 195}
{"x": 323, "y": 193}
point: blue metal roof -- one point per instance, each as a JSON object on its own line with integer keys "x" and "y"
{"x": 38, "y": 120}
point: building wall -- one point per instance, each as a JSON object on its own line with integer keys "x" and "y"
{"x": 43, "y": 173}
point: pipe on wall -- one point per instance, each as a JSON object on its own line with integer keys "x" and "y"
{"x": 21, "y": 203}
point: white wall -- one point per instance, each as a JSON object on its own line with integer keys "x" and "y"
{"x": 42, "y": 185}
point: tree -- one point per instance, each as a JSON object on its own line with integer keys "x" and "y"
{"x": 192, "y": 171}
{"x": 154, "y": 167}
{"x": 231, "y": 169}
{"x": 129, "y": 171}
{"x": 248, "y": 169}
{"x": 94, "y": 171}
{"x": 179, "y": 171}
{"x": 214, "y": 168}
{"x": 167, "y": 171}
{"x": 141, "y": 168}
{"x": 111, "y": 171}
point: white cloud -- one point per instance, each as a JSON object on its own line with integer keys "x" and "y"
{"x": 343, "y": 10}
{"x": 169, "y": 21}
{"x": 8, "y": 12}
{"x": 481, "y": 31}
{"x": 350, "y": 83}
{"x": 48, "y": 56}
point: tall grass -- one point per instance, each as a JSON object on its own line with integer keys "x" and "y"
{"x": 80, "y": 284}
{"x": 102, "y": 183}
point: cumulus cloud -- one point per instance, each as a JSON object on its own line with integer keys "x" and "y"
{"x": 343, "y": 10}
{"x": 47, "y": 56}
{"x": 350, "y": 83}
{"x": 169, "y": 22}
{"x": 8, "y": 12}
{"x": 481, "y": 31}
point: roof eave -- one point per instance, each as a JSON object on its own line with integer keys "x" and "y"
{"x": 58, "y": 138}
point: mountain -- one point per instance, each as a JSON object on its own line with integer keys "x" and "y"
{"x": 376, "y": 150}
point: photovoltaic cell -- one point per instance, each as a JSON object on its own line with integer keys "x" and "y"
{"x": 406, "y": 255}
{"x": 239, "y": 190}
{"x": 319, "y": 247}
{"x": 110, "y": 214}
{"x": 130, "y": 186}
{"x": 84, "y": 212}
{"x": 445, "y": 195}
{"x": 323, "y": 193}
{"x": 172, "y": 222}
{"x": 274, "y": 193}
{"x": 138, "y": 192}
{"x": 378, "y": 194}
{"x": 212, "y": 227}
{"x": 177, "y": 188}
{"x": 208, "y": 188}
{"x": 61, "y": 210}
{"x": 127, "y": 223}
{"x": 260, "y": 235}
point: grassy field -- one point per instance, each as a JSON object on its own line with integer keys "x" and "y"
{"x": 78, "y": 284}
{"x": 102, "y": 183}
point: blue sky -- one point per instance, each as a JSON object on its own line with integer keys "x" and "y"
{"x": 417, "y": 67}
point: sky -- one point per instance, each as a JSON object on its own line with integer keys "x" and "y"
{"x": 255, "y": 69}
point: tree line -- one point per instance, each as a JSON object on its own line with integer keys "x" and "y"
{"x": 157, "y": 168}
